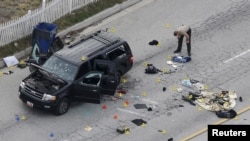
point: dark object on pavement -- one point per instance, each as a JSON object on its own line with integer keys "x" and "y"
{"x": 139, "y": 122}
{"x": 185, "y": 98}
{"x": 164, "y": 89}
{"x": 240, "y": 99}
{"x": 193, "y": 81}
{"x": 149, "y": 109}
{"x": 193, "y": 95}
{"x": 154, "y": 42}
{"x": 151, "y": 69}
{"x": 140, "y": 106}
{"x": 224, "y": 92}
{"x": 170, "y": 139}
{"x": 226, "y": 114}
{"x": 123, "y": 129}
{"x": 9, "y": 72}
{"x": 22, "y": 66}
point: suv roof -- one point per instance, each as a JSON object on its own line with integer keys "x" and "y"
{"x": 88, "y": 46}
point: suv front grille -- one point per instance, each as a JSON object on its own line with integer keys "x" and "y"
{"x": 33, "y": 93}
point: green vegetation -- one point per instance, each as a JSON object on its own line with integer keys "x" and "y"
{"x": 63, "y": 23}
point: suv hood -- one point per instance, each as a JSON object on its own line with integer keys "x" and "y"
{"x": 44, "y": 81}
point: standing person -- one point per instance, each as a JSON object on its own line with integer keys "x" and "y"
{"x": 180, "y": 32}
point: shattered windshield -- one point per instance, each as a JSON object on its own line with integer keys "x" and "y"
{"x": 60, "y": 68}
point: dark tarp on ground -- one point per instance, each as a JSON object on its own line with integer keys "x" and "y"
{"x": 226, "y": 114}
{"x": 139, "y": 122}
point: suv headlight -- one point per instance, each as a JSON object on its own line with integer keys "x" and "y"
{"x": 22, "y": 85}
{"x": 48, "y": 97}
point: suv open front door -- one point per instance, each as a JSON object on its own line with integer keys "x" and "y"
{"x": 110, "y": 79}
{"x": 101, "y": 81}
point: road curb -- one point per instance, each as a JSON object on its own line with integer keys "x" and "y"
{"x": 86, "y": 23}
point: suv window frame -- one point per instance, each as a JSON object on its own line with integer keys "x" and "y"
{"x": 125, "y": 53}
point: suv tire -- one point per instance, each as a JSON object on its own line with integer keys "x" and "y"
{"x": 62, "y": 107}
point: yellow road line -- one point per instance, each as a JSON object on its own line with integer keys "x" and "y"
{"x": 216, "y": 123}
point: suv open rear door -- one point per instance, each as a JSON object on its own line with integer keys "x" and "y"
{"x": 101, "y": 81}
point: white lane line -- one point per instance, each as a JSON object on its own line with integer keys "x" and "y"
{"x": 150, "y": 101}
{"x": 231, "y": 59}
{"x": 131, "y": 112}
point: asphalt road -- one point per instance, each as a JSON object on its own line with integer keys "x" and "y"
{"x": 220, "y": 60}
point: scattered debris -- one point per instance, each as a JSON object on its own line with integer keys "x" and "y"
{"x": 169, "y": 72}
{"x": 151, "y": 69}
{"x": 137, "y": 97}
{"x": 8, "y": 73}
{"x": 194, "y": 81}
{"x": 181, "y": 59}
{"x": 139, "y": 122}
{"x": 10, "y": 61}
{"x": 150, "y": 109}
{"x": 199, "y": 86}
{"x": 186, "y": 82}
{"x": 164, "y": 89}
{"x": 140, "y": 106}
{"x": 186, "y": 98}
{"x": 17, "y": 118}
{"x": 51, "y": 135}
{"x": 181, "y": 105}
{"x": 153, "y": 42}
{"x": 123, "y": 129}
{"x": 170, "y": 62}
{"x": 214, "y": 101}
{"x": 22, "y": 64}
{"x": 179, "y": 90}
{"x": 170, "y": 139}
{"x": 113, "y": 98}
{"x": 240, "y": 99}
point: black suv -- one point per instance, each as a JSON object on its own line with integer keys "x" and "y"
{"x": 83, "y": 71}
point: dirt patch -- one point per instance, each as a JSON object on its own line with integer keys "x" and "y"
{"x": 11, "y": 9}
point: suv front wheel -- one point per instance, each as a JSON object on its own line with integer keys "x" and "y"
{"x": 62, "y": 107}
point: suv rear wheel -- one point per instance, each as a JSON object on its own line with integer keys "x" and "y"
{"x": 62, "y": 107}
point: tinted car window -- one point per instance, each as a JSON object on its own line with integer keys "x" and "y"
{"x": 117, "y": 53}
{"x": 61, "y": 68}
{"x": 92, "y": 79}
